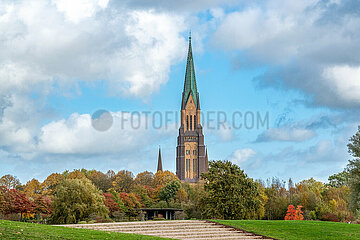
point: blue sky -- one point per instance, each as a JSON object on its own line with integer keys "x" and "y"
{"x": 297, "y": 61}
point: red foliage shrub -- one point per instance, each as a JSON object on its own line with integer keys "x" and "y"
{"x": 294, "y": 214}
{"x": 111, "y": 204}
{"x": 291, "y": 213}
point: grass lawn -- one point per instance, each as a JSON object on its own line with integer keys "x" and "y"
{"x": 298, "y": 230}
{"x": 19, "y": 230}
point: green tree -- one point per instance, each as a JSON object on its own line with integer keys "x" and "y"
{"x": 339, "y": 179}
{"x": 193, "y": 205}
{"x": 169, "y": 190}
{"x": 277, "y": 199}
{"x": 354, "y": 172}
{"x": 230, "y": 193}
{"x": 75, "y": 200}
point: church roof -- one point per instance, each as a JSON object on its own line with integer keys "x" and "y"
{"x": 190, "y": 81}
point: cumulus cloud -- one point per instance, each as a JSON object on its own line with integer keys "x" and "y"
{"x": 346, "y": 82}
{"x": 77, "y": 10}
{"x": 76, "y": 135}
{"x": 310, "y": 45}
{"x": 131, "y": 49}
{"x": 241, "y": 156}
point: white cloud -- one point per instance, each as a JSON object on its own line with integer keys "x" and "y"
{"x": 79, "y": 9}
{"x": 305, "y": 43}
{"x": 76, "y": 135}
{"x": 241, "y": 156}
{"x": 131, "y": 49}
{"x": 346, "y": 82}
{"x": 251, "y": 27}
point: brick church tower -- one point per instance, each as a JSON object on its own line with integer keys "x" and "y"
{"x": 191, "y": 157}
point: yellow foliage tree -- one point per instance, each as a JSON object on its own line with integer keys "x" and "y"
{"x": 76, "y": 175}
{"x": 32, "y": 188}
{"x": 49, "y": 185}
{"x": 161, "y": 178}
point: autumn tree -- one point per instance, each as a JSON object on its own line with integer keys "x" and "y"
{"x": 308, "y": 193}
{"x": 231, "y": 194}
{"x": 76, "y": 174}
{"x": 161, "y": 178}
{"x": 112, "y": 204}
{"x": 50, "y": 183}
{"x": 131, "y": 202}
{"x": 277, "y": 199}
{"x": 32, "y": 188}
{"x": 145, "y": 179}
{"x": 100, "y": 180}
{"x": 16, "y": 202}
{"x": 124, "y": 181}
{"x": 291, "y": 213}
{"x": 299, "y": 213}
{"x": 294, "y": 214}
{"x": 110, "y": 174}
{"x": 75, "y": 200}
{"x": 3, "y": 202}
{"x": 9, "y": 181}
{"x": 43, "y": 205}
{"x": 146, "y": 194}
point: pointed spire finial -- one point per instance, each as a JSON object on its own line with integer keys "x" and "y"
{"x": 190, "y": 81}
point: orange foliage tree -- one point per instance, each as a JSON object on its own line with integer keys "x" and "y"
{"x": 294, "y": 214}
{"x": 299, "y": 213}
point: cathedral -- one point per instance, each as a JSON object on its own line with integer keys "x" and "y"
{"x": 191, "y": 155}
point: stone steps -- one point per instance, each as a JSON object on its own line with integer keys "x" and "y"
{"x": 162, "y": 229}
{"x": 176, "y": 229}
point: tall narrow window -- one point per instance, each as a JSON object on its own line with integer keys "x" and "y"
{"x": 195, "y": 122}
{"x": 194, "y": 167}
{"x": 191, "y": 123}
{"x": 187, "y": 122}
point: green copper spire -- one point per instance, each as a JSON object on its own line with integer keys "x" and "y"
{"x": 190, "y": 81}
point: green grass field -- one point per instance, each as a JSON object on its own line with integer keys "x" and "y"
{"x": 298, "y": 230}
{"x": 19, "y": 230}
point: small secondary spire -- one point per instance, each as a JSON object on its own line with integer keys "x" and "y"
{"x": 159, "y": 165}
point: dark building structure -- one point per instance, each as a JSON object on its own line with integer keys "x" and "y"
{"x": 167, "y": 213}
{"x": 191, "y": 157}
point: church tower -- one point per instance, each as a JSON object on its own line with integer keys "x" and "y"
{"x": 190, "y": 151}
